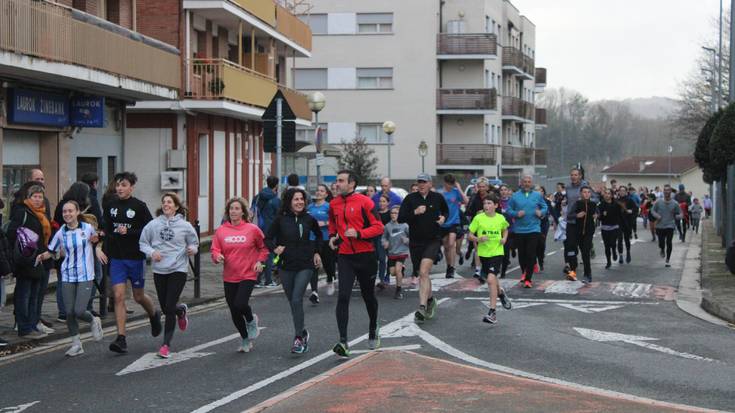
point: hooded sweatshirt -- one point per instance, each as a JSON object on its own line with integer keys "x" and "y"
{"x": 242, "y": 246}
{"x": 171, "y": 237}
{"x": 266, "y": 205}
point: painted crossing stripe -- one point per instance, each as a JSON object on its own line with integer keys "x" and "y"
{"x": 564, "y": 287}
{"x": 632, "y": 290}
{"x": 571, "y": 288}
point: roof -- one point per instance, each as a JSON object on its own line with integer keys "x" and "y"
{"x": 652, "y": 165}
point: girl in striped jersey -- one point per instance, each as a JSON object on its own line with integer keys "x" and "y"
{"x": 77, "y": 272}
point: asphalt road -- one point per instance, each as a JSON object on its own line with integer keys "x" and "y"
{"x": 548, "y": 336}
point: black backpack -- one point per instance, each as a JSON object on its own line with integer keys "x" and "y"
{"x": 730, "y": 258}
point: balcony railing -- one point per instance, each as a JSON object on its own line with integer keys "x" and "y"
{"x": 220, "y": 79}
{"x": 293, "y": 28}
{"x": 540, "y": 116}
{"x": 467, "y": 44}
{"x": 467, "y": 99}
{"x": 515, "y": 58}
{"x": 514, "y": 155}
{"x": 540, "y": 75}
{"x": 469, "y": 154}
{"x": 262, "y": 9}
{"x": 50, "y": 31}
{"x": 513, "y": 106}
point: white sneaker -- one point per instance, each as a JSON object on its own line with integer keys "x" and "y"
{"x": 330, "y": 289}
{"x": 97, "y": 328}
{"x": 42, "y": 328}
{"x": 75, "y": 350}
{"x": 246, "y": 346}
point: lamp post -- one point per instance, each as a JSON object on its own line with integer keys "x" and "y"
{"x": 713, "y": 74}
{"x": 423, "y": 151}
{"x": 316, "y": 104}
{"x": 389, "y": 127}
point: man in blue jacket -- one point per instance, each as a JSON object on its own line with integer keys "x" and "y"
{"x": 265, "y": 206}
{"x": 527, "y": 207}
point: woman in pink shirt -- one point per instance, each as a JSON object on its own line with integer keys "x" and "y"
{"x": 239, "y": 245}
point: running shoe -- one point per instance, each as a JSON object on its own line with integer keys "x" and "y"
{"x": 305, "y": 339}
{"x": 420, "y": 315}
{"x": 587, "y": 279}
{"x": 164, "y": 352}
{"x": 635, "y": 234}
{"x": 490, "y": 317}
{"x": 156, "y": 324}
{"x": 119, "y": 345}
{"x": 245, "y": 346}
{"x": 314, "y": 298}
{"x": 374, "y": 342}
{"x": 476, "y": 274}
{"x": 523, "y": 277}
{"x": 97, "y": 328}
{"x": 662, "y": 253}
{"x": 252, "y": 327}
{"x": 341, "y": 350}
{"x": 535, "y": 269}
{"x": 182, "y": 317}
{"x": 450, "y": 272}
{"x": 61, "y": 318}
{"x": 527, "y": 284}
{"x": 572, "y": 275}
{"x": 380, "y": 286}
{"x": 627, "y": 258}
{"x": 541, "y": 268}
{"x": 468, "y": 254}
{"x": 461, "y": 259}
{"x": 75, "y": 350}
{"x": 608, "y": 265}
{"x": 44, "y": 328}
{"x": 3, "y": 343}
{"x": 298, "y": 346}
{"x": 620, "y": 258}
{"x": 505, "y": 300}
{"x": 330, "y": 289}
{"x": 615, "y": 255}
{"x": 398, "y": 294}
{"x": 513, "y": 253}
{"x": 431, "y": 308}
{"x": 667, "y": 264}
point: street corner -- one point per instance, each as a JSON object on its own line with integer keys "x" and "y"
{"x": 404, "y": 381}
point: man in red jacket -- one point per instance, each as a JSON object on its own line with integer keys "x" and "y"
{"x": 352, "y": 227}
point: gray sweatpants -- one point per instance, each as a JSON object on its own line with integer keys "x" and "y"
{"x": 76, "y": 296}
{"x": 294, "y": 285}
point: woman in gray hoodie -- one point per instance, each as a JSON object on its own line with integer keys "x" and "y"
{"x": 168, "y": 241}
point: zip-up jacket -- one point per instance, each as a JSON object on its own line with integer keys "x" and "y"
{"x": 528, "y": 202}
{"x": 573, "y": 195}
{"x": 423, "y": 228}
{"x": 354, "y": 211}
{"x": 586, "y": 224}
{"x": 293, "y": 232}
{"x": 611, "y": 214}
{"x": 629, "y": 219}
{"x": 171, "y": 237}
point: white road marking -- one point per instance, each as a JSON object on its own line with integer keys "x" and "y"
{"x": 394, "y": 348}
{"x": 640, "y": 341}
{"x": 634, "y": 290}
{"x": 19, "y": 408}
{"x": 590, "y": 308}
{"x": 505, "y": 283}
{"x": 437, "y": 283}
{"x": 385, "y": 331}
{"x": 549, "y": 300}
{"x": 564, "y": 287}
{"x": 551, "y": 253}
{"x": 516, "y": 306}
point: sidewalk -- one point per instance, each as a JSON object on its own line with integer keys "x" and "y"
{"x": 211, "y": 290}
{"x": 718, "y": 284}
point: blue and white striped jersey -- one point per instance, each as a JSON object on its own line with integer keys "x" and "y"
{"x": 78, "y": 264}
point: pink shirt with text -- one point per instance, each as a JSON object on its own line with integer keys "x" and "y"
{"x": 242, "y": 246}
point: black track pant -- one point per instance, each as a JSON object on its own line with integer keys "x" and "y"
{"x": 168, "y": 289}
{"x": 571, "y": 245}
{"x": 237, "y": 296}
{"x": 585, "y": 247}
{"x": 610, "y": 238}
{"x": 362, "y": 266}
{"x": 541, "y": 247}
{"x": 625, "y": 234}
{"x": 329, "y": 264}
{"x": 665, "y": 237}
{"x": 526, "y": 244}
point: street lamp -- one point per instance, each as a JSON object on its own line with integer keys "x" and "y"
{"x": 316, "y": 104}
{"x": 423, "y": 151}
{"x": 713, "y": 104}
{"x": 389, "y": 127}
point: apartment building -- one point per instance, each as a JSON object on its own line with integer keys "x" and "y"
{"x": 458, "y": 75}
{"x": 68, "y": 69}
{"x": 208, "y": 144}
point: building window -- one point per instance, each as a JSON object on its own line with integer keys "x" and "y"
{"x": 372, "y": 133}
{"x": 310, "y": 79}
{"x": 307, "y": 134}
{"x": 375, "y": 22}
{"x": 317, "y": 22}
{"x": 377, "y": 78}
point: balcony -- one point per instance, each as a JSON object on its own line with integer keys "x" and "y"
{"x": 292, "y": 27}
{"x": 466, "y": 46}
{"x": 514, "y": 61}
{"x": 518, "y": 110}
{"x": 469, "y": 154}
{"x": 520, "y": 156}
{"x": 84, "y": 51}
{"x": 466, "y": 101}
{"x": 540, "y": 118}
{"x": 540, "y": 79}
{"x": 222, "y": 80}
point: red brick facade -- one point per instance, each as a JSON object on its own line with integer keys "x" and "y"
{"x": 160, "y": 19}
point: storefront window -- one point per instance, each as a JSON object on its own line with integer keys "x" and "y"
{"x": 14, "y": 176}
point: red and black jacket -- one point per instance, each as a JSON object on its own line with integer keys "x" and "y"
{"x": 354, "y": 211}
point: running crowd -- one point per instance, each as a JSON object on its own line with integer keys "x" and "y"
{"x": 367, "y": 235}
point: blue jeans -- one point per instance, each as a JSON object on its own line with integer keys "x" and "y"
{"x": 266, "y": 277}
{"x": 26, "y": 303}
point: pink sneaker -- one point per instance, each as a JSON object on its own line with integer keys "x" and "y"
{"x": 182, "y": 318}
{"x": 163, "y": 352}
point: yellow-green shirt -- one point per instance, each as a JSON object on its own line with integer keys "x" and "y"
{"x": 492, "y": 227}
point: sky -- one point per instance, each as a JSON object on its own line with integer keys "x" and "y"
{"x": 617, "y": 49}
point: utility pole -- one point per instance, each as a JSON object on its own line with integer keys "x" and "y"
{"x": 719, "y": 65}
{"x": 732, "y": 55}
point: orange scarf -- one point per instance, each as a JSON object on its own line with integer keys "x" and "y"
{"x": 40, "y": 213}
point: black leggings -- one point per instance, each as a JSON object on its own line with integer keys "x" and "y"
{"x": 624, "y": 237}
{"x": 585, "y": 247}
{"x": 362, "y": 266}
{"x": 168, "y": 289}
{"x": 610, "y": 238}
{"x": 571, "y": 245}
{"x": 681, "y": 226}
{"x": 237, "y": 296}
{"x": 526, "y": 244}
{"x": 665, "y": 237}
{"x": 541, "y": 247}
{"x": 328, "y": 263}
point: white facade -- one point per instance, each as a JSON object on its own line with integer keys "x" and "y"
{"x": 386, "y": 60}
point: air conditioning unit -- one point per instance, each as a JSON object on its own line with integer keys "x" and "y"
{"x": 456, "y": 26}
{"x": 176, "y": 159}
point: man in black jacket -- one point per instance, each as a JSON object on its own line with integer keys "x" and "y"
{"x": 424, "y": 212}
{"x": 629, "y": 221}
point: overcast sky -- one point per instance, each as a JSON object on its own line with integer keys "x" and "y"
{"x": 614, "y": 49}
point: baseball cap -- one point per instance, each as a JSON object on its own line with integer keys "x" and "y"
{"x": 423, "y": 177}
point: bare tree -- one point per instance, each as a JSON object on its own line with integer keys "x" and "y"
{"x": 360, "y": 158}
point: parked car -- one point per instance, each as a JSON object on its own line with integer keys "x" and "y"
{"x": 398, "y": 191}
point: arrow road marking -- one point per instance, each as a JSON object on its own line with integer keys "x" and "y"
{"x": 590, "y": 308}
{"x": 19, "y": 408}
{"x": 408, "y": 347}
{"x": 516, "y": 306}
{"x": 606, "y": 336}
